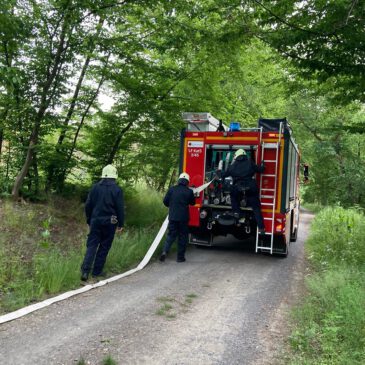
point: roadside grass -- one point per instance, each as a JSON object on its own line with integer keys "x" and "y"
{"x": 144, "y": 207}
{"x": 106, "y": 361}
{"x": 312, "y": 207}
{"x": 337, "y": 237}
{"x": 109, "y": 361}
{"x": 42, "y": 246}
{"x": 129, "y": 248}
{"x": 171, "y": 307}
{"x": 329, "y": 327}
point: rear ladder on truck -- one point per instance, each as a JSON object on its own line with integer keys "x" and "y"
{"x": 269, "y": 194}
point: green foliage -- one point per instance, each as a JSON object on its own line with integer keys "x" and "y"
{"x": 54, "y": 272}
{"x": 144, "y": 207}
{"x": 337, "y": 238}
{"x": 109, "y": 361}
{"x": 129, "y": 248}
{"x": 42, "y": 247}
{"x": 319, "y": 129}
{"x": 330, "y": 325}
{"x": 322, "y": 38}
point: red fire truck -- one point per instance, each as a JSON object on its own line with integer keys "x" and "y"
{"x": 205, "y": 144}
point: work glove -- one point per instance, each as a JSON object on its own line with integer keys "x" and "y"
{"x": 220, "y": 165}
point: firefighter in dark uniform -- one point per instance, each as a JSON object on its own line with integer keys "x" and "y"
{"x": 104, "y": 210}
{"x": 178, "y": 199}
{"x": 242, "y": 172}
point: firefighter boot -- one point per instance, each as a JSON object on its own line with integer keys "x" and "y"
{"x": 163, "y": 256}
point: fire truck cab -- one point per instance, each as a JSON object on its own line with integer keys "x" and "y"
{"x": 206, "y": 145}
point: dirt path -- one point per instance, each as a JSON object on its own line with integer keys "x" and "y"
{"x": 228, "y": 306}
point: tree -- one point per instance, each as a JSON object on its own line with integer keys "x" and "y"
{"x": 325, "y": 39}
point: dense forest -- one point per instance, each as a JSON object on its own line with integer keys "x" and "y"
{"x": 85, "y": 83}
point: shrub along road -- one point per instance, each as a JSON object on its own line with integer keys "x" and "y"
{"x": 223, "y": 306}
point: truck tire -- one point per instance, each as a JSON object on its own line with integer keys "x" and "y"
{"x": 293, "y": 234}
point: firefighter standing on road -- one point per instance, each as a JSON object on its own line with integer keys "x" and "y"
{"x": 242, "y": 171}
{"x": 178, "y": 199}
{"x": 104, "y": 210}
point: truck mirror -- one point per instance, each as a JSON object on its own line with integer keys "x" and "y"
{"x": 306, "y": 173}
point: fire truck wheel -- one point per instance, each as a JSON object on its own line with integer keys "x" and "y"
{"x": 293, "y": 234}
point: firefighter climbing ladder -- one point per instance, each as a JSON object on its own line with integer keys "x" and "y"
{"x": 269, "y": 193}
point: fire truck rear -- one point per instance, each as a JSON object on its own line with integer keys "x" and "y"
{"x": 206, "y": 144}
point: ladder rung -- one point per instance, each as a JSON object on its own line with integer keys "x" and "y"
{"x": 264, "y": 248}
{"x": 270, "y": 145}
{"x": 268, "y": 189}
{"x": 268, "y": 219}
{"x": 272, "y": 175}
{"x": 269, "y": 161}
{"x": 267, "y": 196}
{"x": 267, "y": 204}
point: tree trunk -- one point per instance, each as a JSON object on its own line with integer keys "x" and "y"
{"x": 36, "y": 174}
{"x": 45, "y": 101}
{"x": 1, "y": 141}
{"x": 115, "y": 147}
{"x": 53, "y": 171}
{"x": 23, "y": 172}
{"x": 172, "y": 178}
{"x": 62, "y": 136}
{"x": 84, "y": 115}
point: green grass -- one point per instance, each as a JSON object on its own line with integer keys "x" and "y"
{"x": 337, "y": 237}
{"x": 109, "y": 361}
{"x": 106, "y": 361}
{"x": 42, "y": 246}
{"x": 189, "y": 298}
{"x": 162, "y": 311}
{"x": 171, "y": 307}
{"x": 144, "y": 207}
{"x": 129, "y": 248}
{"x": 331, "y": 324}
{"x": 329, "y": 327}
{"x": 312, "y": 207}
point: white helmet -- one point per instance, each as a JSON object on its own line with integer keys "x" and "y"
{"x": 240, "y": 152}
{"x": 109, "y": 172}
{"x": 184, "y": 175}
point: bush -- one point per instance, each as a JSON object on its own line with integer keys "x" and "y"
{"x": 144, "y": 207}
{"x": 331, "y": 324}
{"x": 337, "y": 237}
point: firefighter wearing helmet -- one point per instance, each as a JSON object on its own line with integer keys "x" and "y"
{"x": 177, "y": 199}
{"x": 242, "y": 172}
{"x": 104, "y": 210}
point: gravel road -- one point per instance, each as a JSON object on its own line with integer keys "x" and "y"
{"x": 225, "y": 305}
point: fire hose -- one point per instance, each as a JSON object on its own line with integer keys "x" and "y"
{"x": 33, "y": 307}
